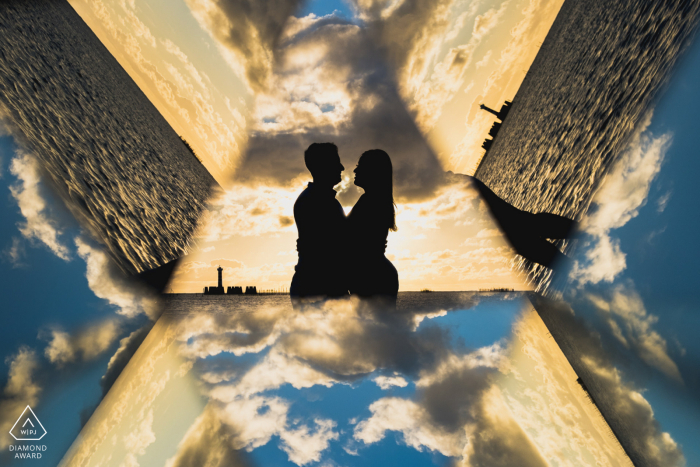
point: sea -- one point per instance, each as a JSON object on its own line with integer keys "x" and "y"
{"x": 596, "y": 77}
{"x": 111, "y": 156}
{"x": 410, "y": 302}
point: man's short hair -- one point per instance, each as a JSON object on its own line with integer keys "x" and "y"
{"x": 317, "y": 156}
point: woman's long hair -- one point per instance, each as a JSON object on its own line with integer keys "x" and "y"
{"x": 381, "y": 175}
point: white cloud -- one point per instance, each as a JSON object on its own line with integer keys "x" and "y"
{"x": 303, "y": 445}
{"x": 386, "y": 382}
{"x": 207, "y": 442}
{"x": 15, "y": 252}
{"x": 109, "y": 283}
{"x": 663, "y": 200}
{"x": 488, "y": 233}
{"x": 413, "y": 422}
{"x": 85, "y": 344}
{"x": 624, "y": 191}
{"x": 484, "y": 61}
{"x": 28, "y": 191}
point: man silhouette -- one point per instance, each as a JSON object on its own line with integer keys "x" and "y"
{"x": 320, "y": 221}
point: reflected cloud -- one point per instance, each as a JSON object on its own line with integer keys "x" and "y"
{"x": 617, "y": 402}
{"x": 514, "y": 401}
{"x": 631, "y": 324}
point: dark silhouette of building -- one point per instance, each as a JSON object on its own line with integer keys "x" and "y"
{"x": 501, "y": 115}
{"x": 494, "y": 129}
{"x": 219, "y": 289}
{"x": 232, "y": 290}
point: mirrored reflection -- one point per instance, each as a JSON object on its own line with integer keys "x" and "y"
{"x": 472, "y": 378}
{"x": 117, "y": 165}
{"x": 570, "y": 121}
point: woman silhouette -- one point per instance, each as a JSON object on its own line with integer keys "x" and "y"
{"x": 369, "y": 222}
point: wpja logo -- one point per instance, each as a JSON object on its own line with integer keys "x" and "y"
{"x": 28, "y": 428}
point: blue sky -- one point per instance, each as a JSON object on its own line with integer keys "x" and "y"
{"x": 326, "y": 7}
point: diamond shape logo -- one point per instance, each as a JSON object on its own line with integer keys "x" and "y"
{"x": 28, "y": 427}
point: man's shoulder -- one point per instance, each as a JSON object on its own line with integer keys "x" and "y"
{"x": 313, "y": 200}
{"x": 305, "y": 197}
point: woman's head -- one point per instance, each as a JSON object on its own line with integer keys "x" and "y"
{"x": 374, "y": 173}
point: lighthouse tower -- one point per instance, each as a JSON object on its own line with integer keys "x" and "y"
{"x": 221, "y": 283}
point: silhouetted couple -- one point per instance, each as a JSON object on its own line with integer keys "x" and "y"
{"x": 341, "y": 255}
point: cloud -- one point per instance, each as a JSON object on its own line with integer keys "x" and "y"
{"x": 484, "y": 61}
{"x": 623, "y": 192}
{"x": 488, "y": 233}
{"x": 208, "y": 442}
{"x": 86, "y": 344}
{"x": 663, "y": 200}
{"x": 137, "y": 441}
{"x": 248, "y": 211}
{"x": 458, "y": 412}
{"x": 21, "y": 390}
{"x": 461, "y": 407}
{"x": 108, "y": 282}
{"x": 253, "y": 420}
{"x": 303, "y": 445}
{"x": 632, "y": 325}
{"x": 413, "y": 422}
{"x": 386, "y": 382}
{"x": 127, "y": 348}
{"x": 29, "y": 192}
{"x": 15, "y": 253}
{"x": 335, "y": 344}
{"x": 247, "y": 32}
{"x": 316, "y": 79}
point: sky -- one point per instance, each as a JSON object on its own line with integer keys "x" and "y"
{"x": 634, "y": 280}
{"x": 332, "y": 71}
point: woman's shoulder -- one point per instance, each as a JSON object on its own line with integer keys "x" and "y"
{"x": 370, "y": 210}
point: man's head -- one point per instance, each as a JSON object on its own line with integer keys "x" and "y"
{"x": 323, "y": 162}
